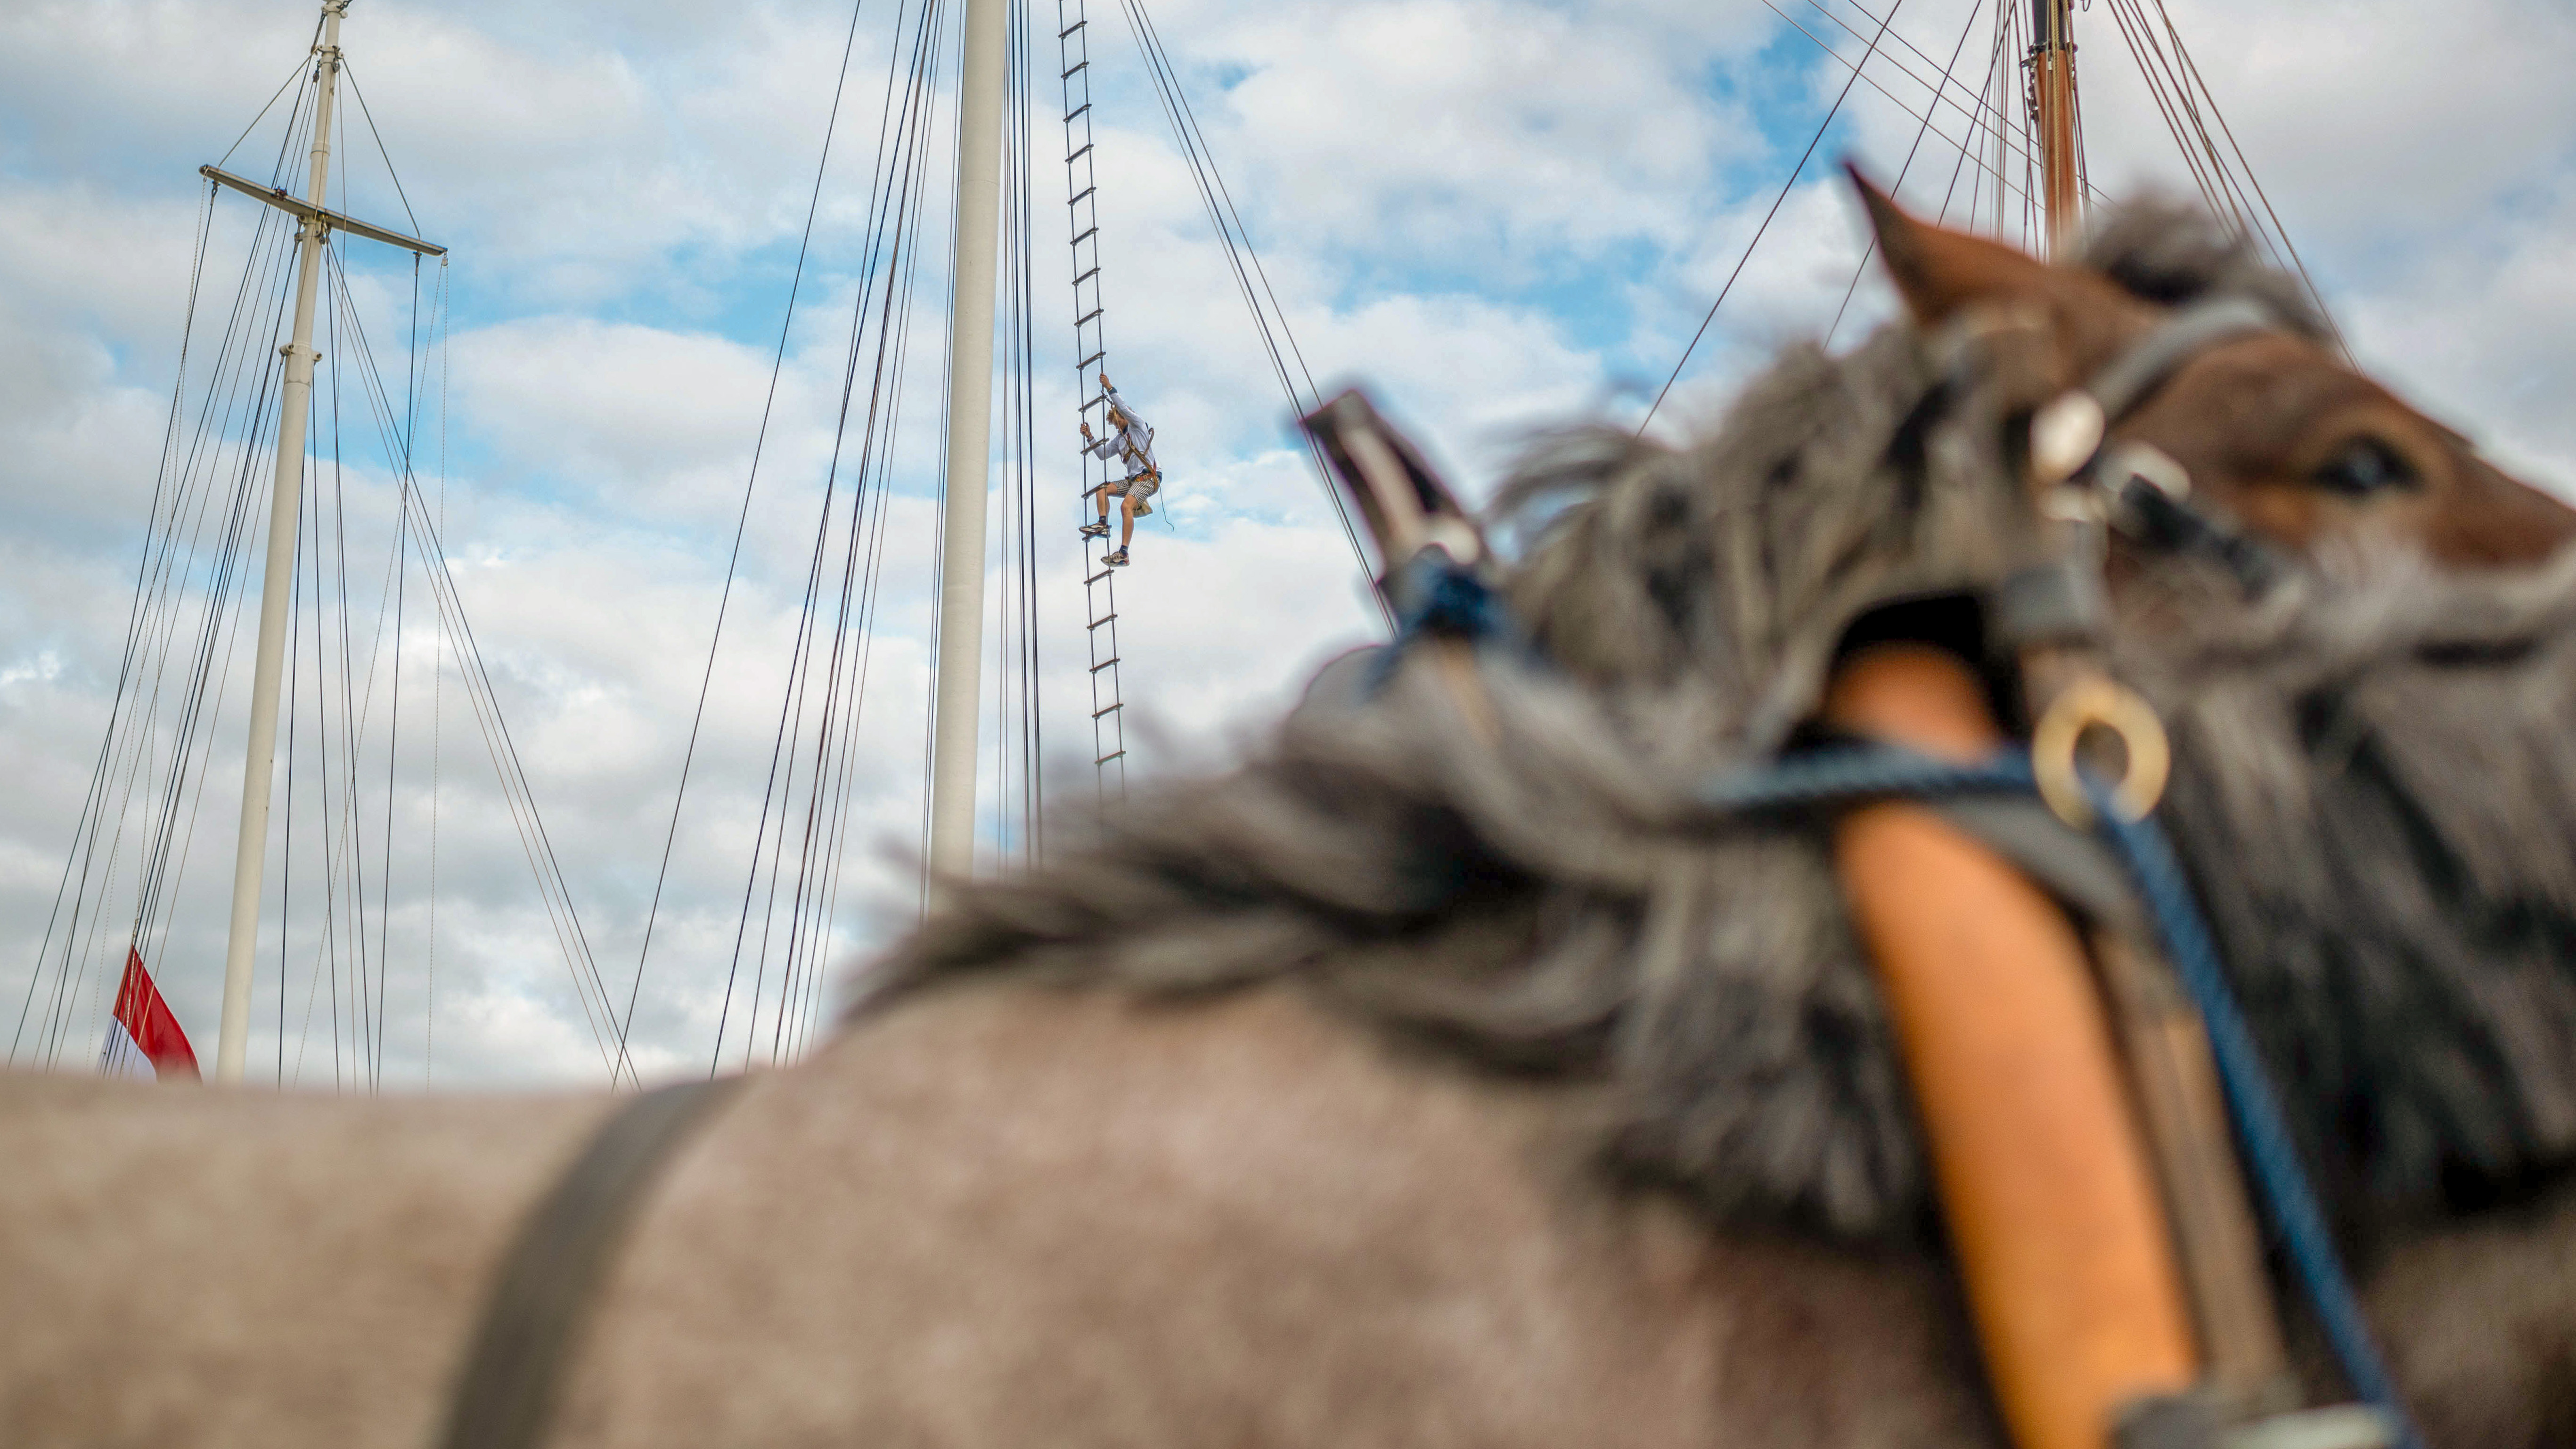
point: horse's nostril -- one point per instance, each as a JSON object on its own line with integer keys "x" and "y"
{"x": 2364, "y": 466}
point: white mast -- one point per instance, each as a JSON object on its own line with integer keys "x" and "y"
{"x": 970, "y": 423}
{"x": 286, "y": 504}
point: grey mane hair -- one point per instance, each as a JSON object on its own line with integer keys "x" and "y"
{"x": 2372, "y": 788}
{"x": 1719, "y": 576}
{"x": 2375, "y": 786}
{"x": 2167, "y": 251}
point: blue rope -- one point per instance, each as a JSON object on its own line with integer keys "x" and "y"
{"x": 1451, "y": 600}
{"x": 1843, "y": 775}
{"x": 1846, "y": 773}
{"x": 2257, "y": 1114}
{"x": 1440, "y": 597}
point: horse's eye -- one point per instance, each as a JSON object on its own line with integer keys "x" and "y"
{"x": 2362, "y": 467}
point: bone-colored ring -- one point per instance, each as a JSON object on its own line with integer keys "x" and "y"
{"x": 2087, "y": 705}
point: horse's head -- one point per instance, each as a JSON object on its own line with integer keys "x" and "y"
{"x": 2276, "y": 431}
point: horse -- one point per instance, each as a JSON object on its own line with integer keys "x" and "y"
{"x": 1428, "y": 1078}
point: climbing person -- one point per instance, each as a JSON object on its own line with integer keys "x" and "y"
{"x": 1131, "y": 442}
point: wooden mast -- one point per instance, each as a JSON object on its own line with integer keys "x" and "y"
{"x": 2052, "y": 99}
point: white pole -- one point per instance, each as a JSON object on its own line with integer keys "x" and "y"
{"x": 970, "y": 427}
{"x": 286, "y": 504}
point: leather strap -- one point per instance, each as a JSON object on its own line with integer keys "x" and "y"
{"x": 533, "y": 1321}
{"x": 2121, "y": 386}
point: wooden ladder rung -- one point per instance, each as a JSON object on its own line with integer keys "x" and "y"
{"x": 1077, "y": 155}
{"x": 1087, "y": 316}
{"x": 1109, "y": 618}
{"x": 1116, "y": 704}
{"x": 1105, "y": 759}
{"x": 1079, "y": 195}
{"x": 1077, "y": 65}
{"x": 1105, "y": 663}
{"x": 1068, "y": 30}
{"x": 1095, "y": 578}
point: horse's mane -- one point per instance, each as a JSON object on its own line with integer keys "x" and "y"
{"x": 2374, "y": 786}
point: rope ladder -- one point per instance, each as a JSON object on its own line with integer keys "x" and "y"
{"x": 1091, "y": 353}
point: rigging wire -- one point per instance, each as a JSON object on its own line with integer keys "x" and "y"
{"x": 2181, "y": 95}
{"x": 536, "y": 841}
{"x": 153, "y": 630}
{"x": 820, "y": 847}
{"x": 1980, "y": 116}
{"x": 1251, "y": 279}
{"x": 1991, "y": 85}
{"x": 292, "y": 76}
{"x": 1927, "y": 115}
{"x": 231, "y": 560}
{"x": 143, "y": 568}
{"x": 395, "y": 433}
{"x": 351, "y": 76}
{"x": 1776, "y": 201}
{"x": 822, "y": 706}
{"x": 742, "y": 519}
{"x": 1017, "y": 665}
{"x": 185, "y": 621}
{"x": 501, "y": 744}
{"x": 1975, "y": 8}
{"x": 443, "y": 325}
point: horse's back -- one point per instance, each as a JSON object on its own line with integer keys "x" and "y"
{"x": 190, "y": 1267}
{"x": 1018, "y": 1216}
{"x": 987, "y": 1216}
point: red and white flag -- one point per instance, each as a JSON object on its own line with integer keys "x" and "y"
{"x": 145, "y": 1038}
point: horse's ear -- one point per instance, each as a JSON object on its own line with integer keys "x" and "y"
{"x": 1936, "y": 270}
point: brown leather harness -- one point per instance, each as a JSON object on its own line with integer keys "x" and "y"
{"x": 2046, "y": 622}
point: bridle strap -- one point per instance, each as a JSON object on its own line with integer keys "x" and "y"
{"x": 531, "y": 1325}
{"x": 2137, "y": 489}
{"x": 2134, "y": 375}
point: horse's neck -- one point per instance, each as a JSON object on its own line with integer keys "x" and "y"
{"x": 2479, "y": 1317}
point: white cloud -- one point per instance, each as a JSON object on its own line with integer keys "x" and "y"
{"x": 1495, "y": 212}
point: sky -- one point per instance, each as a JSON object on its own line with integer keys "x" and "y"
{"x": 1499, "y": 215}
